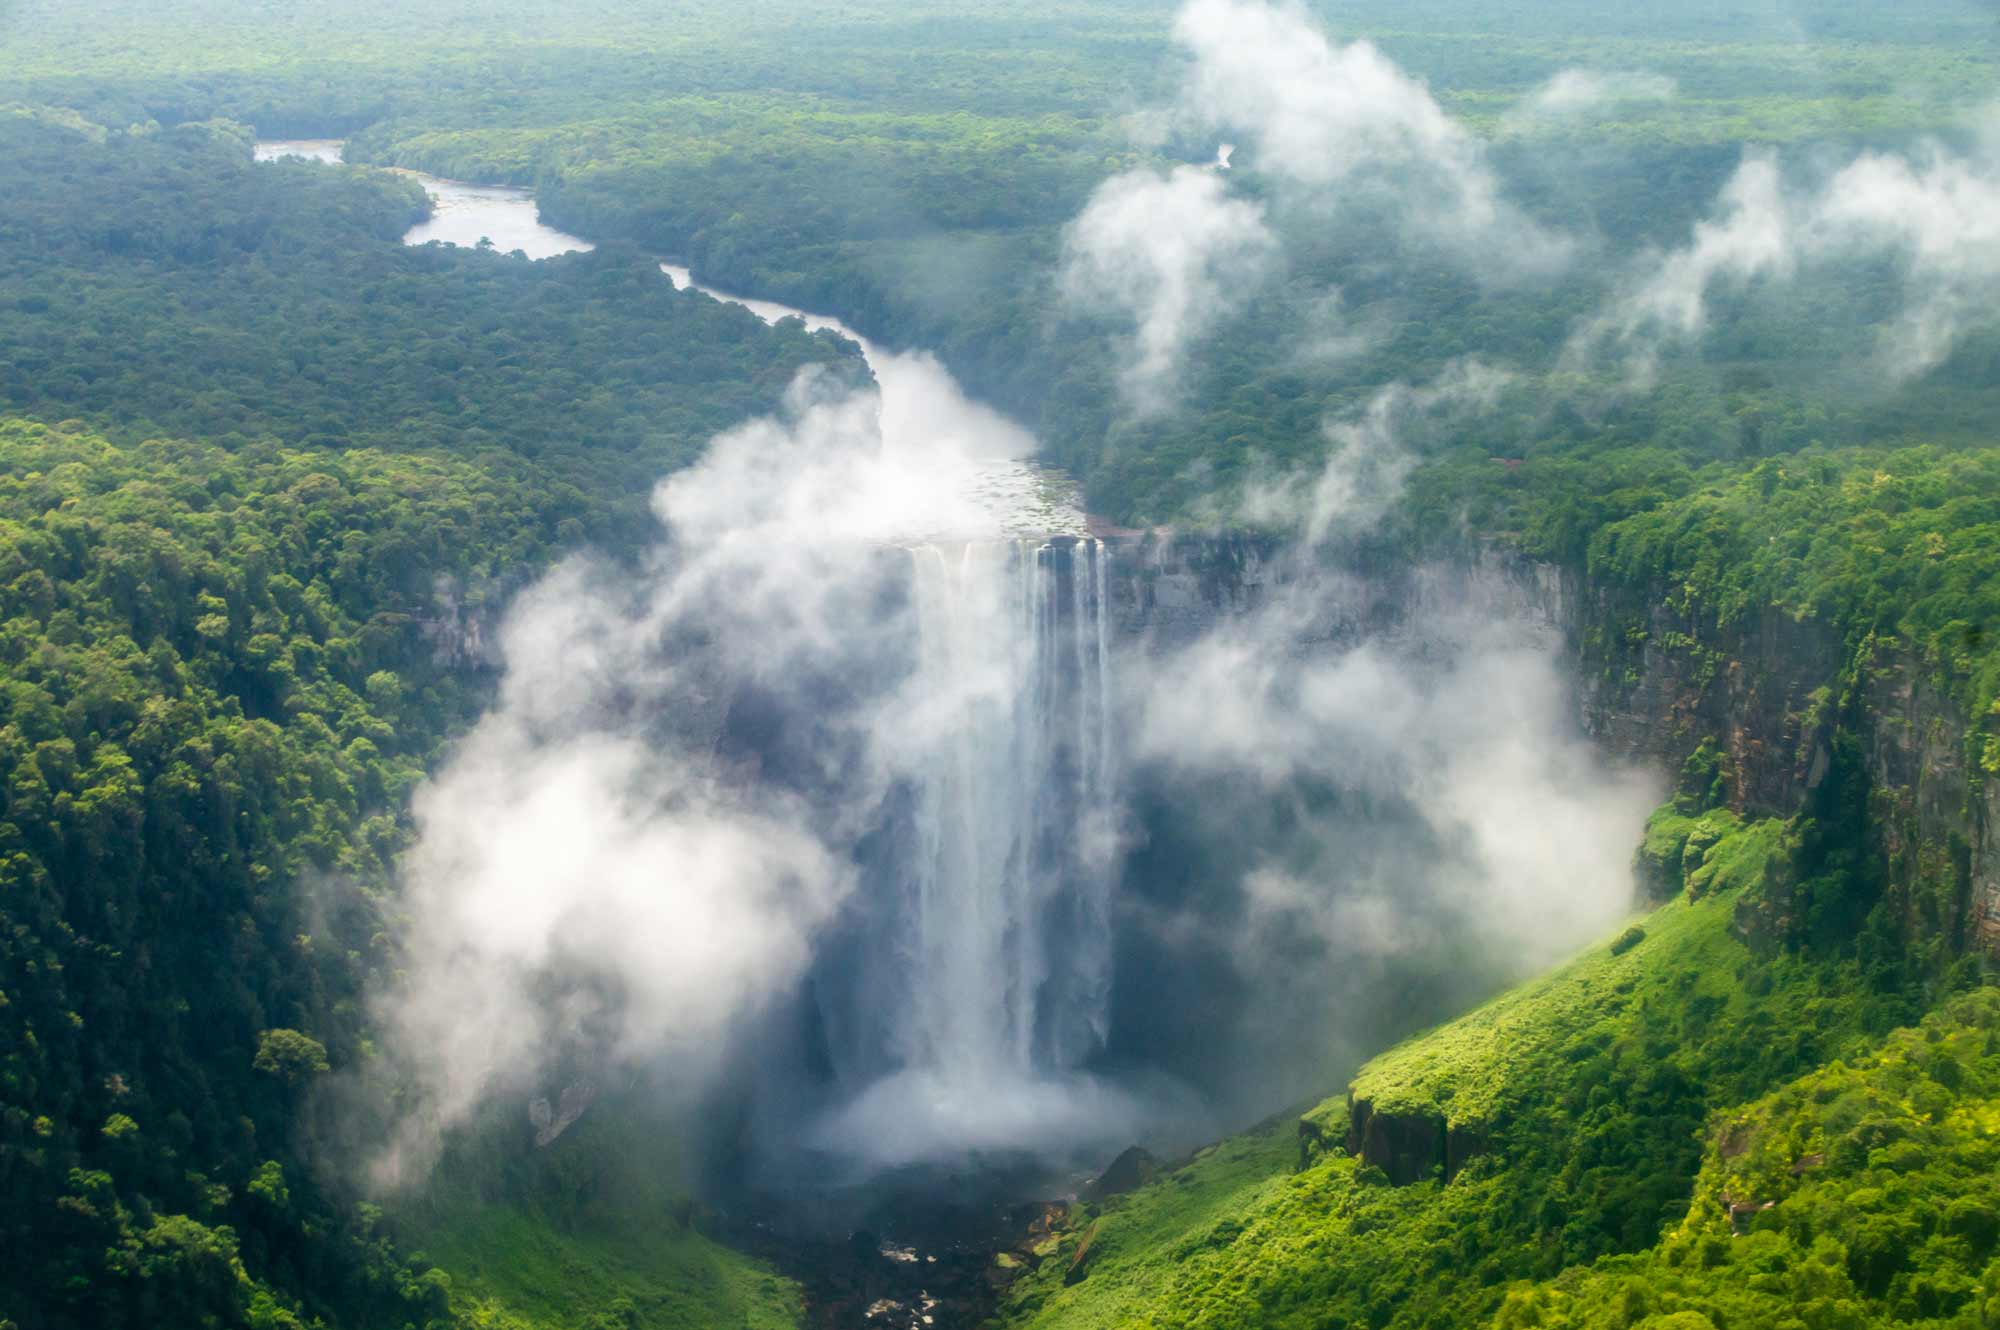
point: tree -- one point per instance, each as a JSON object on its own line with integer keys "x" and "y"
{"x": 289, "y": 1055}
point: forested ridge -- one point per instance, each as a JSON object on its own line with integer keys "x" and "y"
{"x": 219, "y": 696}
{"x": 299, "y": 466}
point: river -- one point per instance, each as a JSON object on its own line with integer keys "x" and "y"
{"x": 924, "y": 413}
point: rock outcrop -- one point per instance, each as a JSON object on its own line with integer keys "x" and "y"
{"x": 1412, "y": 1145}
{"x": 1130, "y": 1171}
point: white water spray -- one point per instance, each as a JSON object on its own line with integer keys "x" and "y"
{"x": 1009, "y": 919}
{"x": 1003, "y": 930}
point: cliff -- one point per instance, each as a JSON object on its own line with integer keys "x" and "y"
{"x": 1774, "y": 698}
{"x": 1788, "y": 706}
{"x": 1769, "y": 715}
{"x": 1771, "y": 695}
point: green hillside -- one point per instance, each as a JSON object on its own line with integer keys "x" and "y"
{"x": 1582, "y": 1098}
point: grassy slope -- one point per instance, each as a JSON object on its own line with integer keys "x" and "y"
{"x": 593, "y": 1232}
{"x": 513, "y": 1269}
{"x": 1591, "y": 1084}
{"x": 1474, "y": 1070}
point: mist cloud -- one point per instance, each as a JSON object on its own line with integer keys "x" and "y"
{"x": 1749, "y": 235}
{"x": 1412, "y": 751}
{"x": 1325, "y": 118}
{"x": 592, "y": 883}
{"x": 585, "y": 894}
{"x": 1464, "y": 714}
{"x": 1327, "y": 124}
{"x": 1371, "y": 456}
{"x": 1572, "y": 93}
{"x": 1394, "y": 806}
{"x": 1939, "y": 213}
{"x": 1934, "y": 211}
{"x": 1174, "y": 253}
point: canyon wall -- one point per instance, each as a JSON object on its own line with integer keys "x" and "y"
{"x": 1654, "y": 682}
{"x": 1785, "y": 702}
{"x": 1783, "y": 707}
{"x": 1770, "y": 693}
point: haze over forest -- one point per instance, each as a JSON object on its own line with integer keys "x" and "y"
{"x": 1230, "y": 663}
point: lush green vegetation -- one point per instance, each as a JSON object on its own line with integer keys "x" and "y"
{"x": 1886, "y": 545}
{"x": 911, "y": 173}
{"x": 1858, "y": 1195}
{"x": 1583, "y": 1092}
{"x": 218, "y": 693}
{"x": 226, "y": 668}
{"x": 594, "y": 1232}
{"x": 161, "y": 282}
{"x": 227, "y": 662}
{"x": 1892, "y": 550}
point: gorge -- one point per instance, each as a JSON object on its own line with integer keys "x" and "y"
{"x": 1058, "y": 912}
{"x": 1232, "y": 664}
{"x": 1037, "y": 834}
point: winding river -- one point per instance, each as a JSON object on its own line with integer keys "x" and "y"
{"x": 923, "y": 409}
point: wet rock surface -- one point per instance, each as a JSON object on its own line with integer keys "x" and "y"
{"x": 907, "y": 1258}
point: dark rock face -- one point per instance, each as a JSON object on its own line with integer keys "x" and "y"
{"x": 1312, "y": 1142}
{"x": 1655, "y": 683}
{"x": 1128, "y": 1172}
{"x": 1175, "y": 588}
{"x": 1771, "y": 692}
{"x": 1168, "y": 591}
{"x": 1410, "y": 1146}
{"x": 1937, "y": 817}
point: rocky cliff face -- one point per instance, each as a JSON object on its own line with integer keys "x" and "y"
{"x": 1407, "y": 1147}
{"x": 1774, "y": 695}
{"x": 1781, "y": 703}
{"x": 1654, "y": 683}
{"x": 1168, "y": 591}
{"x": 1770, "y": 693}
{"x": 1938, "y": 819}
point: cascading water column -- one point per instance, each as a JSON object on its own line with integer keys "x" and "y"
{"x": 1002, "y": 923}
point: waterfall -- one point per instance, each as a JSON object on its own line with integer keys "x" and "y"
{"x": 1006, "y": 926}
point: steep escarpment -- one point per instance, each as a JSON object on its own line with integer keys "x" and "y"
{"x": 1841, "y": 675}
{"x": 1769, "y": 711}
{"x": 1808, "y": 639}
